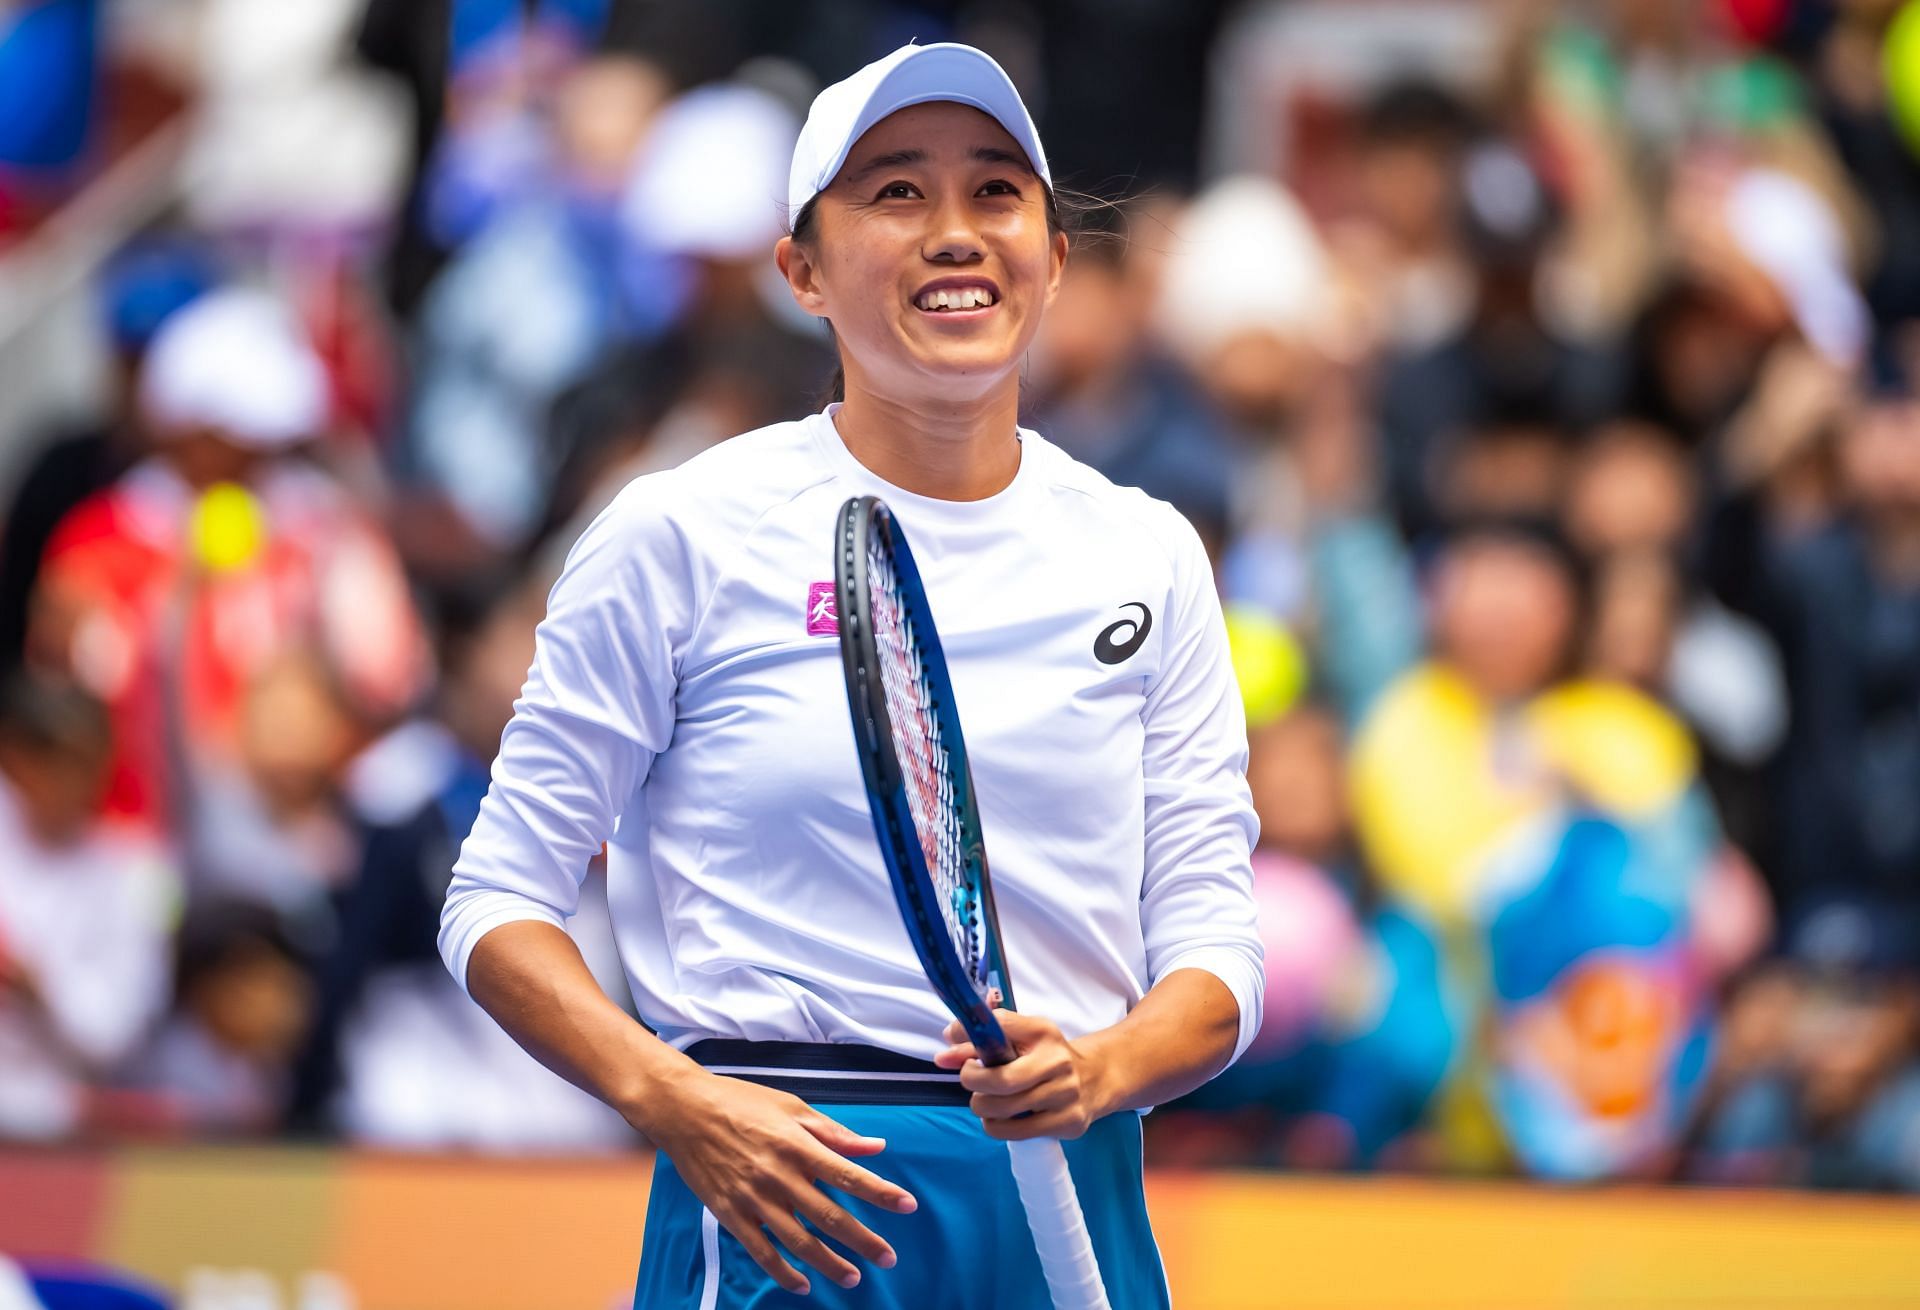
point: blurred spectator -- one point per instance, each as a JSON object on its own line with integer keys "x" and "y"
{"x": 1100, "y": 391}
{"x": 1819, "y": 1081}
{"x": 1405, "y": 241}
{"x": 1238, "y": 296}
{"x": 1508, "y": 383}
{"x": 605, "y": 431}
{"x": 268, "y": 825}
{"x": 1552, "y": 834}
{"x": 756, "y": 358}
{"x": 85, "y": 914}
{"x": 398, "y": 1055}
{"x": 290, "y": 139}
{"x": 219, "y": 1066}
{"x": 1631, "y": 509}
{"x": 139, "y": 290}
{"x": 1864, "y": 79}
{"x": 545, "y": 285}
{"x": 1759, "y": 258}
{"x": 1297, "y": 774}
{"x": 170, "y": 593}
{"x": 456, "y": 59}
{"x": 1835, "y": 581}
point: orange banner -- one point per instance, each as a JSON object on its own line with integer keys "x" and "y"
{"x": 414, "y": 1233}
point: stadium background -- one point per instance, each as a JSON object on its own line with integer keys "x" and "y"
{"x": 1542, "y": 376}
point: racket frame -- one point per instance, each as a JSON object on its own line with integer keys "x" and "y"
{"x": 893, "y": 821}
{"x": 1039, "y": 1165}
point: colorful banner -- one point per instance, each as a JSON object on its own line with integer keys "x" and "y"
{"x": 413, "y": 1233}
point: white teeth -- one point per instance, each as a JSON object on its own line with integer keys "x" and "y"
{"x": 963, "y": 298}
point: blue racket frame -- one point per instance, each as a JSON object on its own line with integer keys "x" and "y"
{"x": 862, "y": 519}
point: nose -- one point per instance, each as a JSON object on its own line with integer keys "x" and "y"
{"x": 953, "y": 237}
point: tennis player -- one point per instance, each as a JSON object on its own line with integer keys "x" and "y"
{"x": 821, "y": 1127}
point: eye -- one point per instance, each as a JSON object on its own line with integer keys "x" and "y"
{"x": 999, "y": 187}
{"x": 898, "y": 191}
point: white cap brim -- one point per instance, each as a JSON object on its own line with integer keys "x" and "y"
{"x": 911, "y": 75}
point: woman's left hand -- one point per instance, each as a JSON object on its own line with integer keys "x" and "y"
{"x": 1056, "y": 1084}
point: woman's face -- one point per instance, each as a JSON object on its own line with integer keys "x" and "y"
{"x": 930, "y": 255}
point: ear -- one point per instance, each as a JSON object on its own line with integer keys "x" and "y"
{"x": 1058, "y": 259}
{"x": 797, "y": 266}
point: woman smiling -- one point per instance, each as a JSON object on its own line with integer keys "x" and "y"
{"x": 685, "y": 707}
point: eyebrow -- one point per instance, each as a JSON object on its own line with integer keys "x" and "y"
{"x": 908, "y": 157}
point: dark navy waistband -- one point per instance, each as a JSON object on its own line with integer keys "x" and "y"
{"x": 832, "y": 1073}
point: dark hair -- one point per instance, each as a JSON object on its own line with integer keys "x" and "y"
{"x": 1062, "y": 216}
{"x": 1417, "y": 112}
{"x": 218, "y": 934}
{"x": 1540, "y": 534}
{"x": 49, "y": 715}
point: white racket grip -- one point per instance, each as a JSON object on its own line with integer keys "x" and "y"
{"x": 1059, "y": 1228}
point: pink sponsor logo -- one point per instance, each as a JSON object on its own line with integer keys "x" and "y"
{"x": 823, "y": 615}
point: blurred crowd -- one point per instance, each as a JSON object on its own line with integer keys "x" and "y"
{"x": 1552, "y": 414}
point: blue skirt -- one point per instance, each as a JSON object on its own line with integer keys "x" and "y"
{"x": 967, "y": 1246}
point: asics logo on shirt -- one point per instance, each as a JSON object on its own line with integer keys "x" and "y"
{"x": 1118, "y": 641}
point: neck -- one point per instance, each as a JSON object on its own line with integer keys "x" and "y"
{"x": 965, "y": 449}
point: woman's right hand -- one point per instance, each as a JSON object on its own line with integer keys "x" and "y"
{"x": 755, "y": 1157}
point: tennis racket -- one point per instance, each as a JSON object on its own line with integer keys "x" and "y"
{"x": 920, "y": 790}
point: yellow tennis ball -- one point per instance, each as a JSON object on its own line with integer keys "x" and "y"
{"x": 1901, "y": 64}
{"x": 227, "y": 530}
{"x": 1270, "y": 666}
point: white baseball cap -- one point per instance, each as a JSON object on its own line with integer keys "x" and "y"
{"x": 911, "y": 75}
{"x": 235, "y": 360}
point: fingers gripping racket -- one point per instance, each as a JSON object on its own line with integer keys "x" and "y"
{"x": 920, "y": 790}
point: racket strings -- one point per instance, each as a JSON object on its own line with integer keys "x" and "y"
{"x": 926, "y": 766}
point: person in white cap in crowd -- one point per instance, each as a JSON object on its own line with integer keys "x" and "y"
{"x": 685, "y": 708}
{"x": 169, "y": 593}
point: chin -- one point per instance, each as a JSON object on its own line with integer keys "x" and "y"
{"x": 984, "y": 361}
{"x": 958, "y": 378}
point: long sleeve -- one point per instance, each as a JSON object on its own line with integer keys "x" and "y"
{"x": 598, "y": 705}
{"x": 1196, "y": 906}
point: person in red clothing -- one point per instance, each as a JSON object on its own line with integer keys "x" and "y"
{"x": 168, "y": 594}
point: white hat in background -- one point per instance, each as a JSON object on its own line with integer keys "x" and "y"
{"x": 1791, "y": 233}
{"x": 286, "y": 131}
{"x": 911, "y": 75}
{"x": 1245, "y": 258}
{"x": 708, "y": 178}
{"x": 237, "y": 361}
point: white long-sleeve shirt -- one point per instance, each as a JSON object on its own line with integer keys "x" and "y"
{"x": 686, "y": 704}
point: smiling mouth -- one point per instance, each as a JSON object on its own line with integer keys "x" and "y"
{"x": 952, "y": 300}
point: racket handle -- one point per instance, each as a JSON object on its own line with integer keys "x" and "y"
{"x": 1059, "y": 1228}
